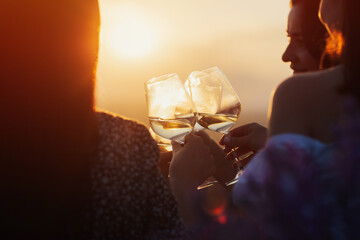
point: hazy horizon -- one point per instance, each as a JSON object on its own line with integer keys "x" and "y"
{"x": 148, "y": 38}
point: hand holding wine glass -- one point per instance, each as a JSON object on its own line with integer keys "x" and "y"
{"x": 229, "y": 107}
{"x": 219, "y": 117}
{"x": 205, "y": 91}
{"x": 246, "y": 138}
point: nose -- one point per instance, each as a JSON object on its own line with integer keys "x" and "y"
{"x": 288, "y": 55}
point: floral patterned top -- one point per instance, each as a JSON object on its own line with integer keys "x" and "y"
{"x": 131, "y": 199}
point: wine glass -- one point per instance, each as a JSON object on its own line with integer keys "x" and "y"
{"x": 219, "y": 117}
{"x": 205, "y": 91}
{"x": 163, "y": 143}
{"x": 171, "y": 111}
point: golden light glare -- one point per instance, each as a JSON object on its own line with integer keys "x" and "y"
{"x": 127, "y": 31}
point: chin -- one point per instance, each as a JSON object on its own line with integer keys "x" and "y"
{"x": 299, "y": 71}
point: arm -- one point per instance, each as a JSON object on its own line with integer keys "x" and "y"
{"x": 190, "y": 166}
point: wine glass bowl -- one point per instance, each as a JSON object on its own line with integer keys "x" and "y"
{"x": 205, "y": 101}
{"x": 229, "y": 108}
{"x": 218, "y": 106}
{"x": 171, "y": 111}
{"x": 205, "y": 91}
{"x": 163, "y": 143}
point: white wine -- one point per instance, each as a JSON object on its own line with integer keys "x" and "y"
{"x": 173, "y": 129}
{"x": 222, "y": 121}
{"x": 217, "y": 122}
{"x": 198, "y": 127}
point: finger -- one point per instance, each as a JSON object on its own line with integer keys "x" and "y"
{"x": 188, "y": 138}
{"x": 221, "y": 142}
{"x": 245, "y": 129}
{"x": 194, "y": 139}
{"x": 237, "y": 141}
{"x": 197, "y": 144}
{"x": 202, "y": 134}
{"x": 216, "y": 150}
{"x": 205, "y": 137}
{"x": 218, "y": 158}
{"x": 176, "y": 146}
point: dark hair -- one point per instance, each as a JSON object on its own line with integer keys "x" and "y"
{"x": 48, "y": 126}
{"x": 314, "y": 33}
{"x": 351, "y": 50}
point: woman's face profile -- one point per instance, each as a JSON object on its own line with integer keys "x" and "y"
{"x": 296, "y": 52}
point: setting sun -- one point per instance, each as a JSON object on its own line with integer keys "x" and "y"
{"x": 127, "y": 31}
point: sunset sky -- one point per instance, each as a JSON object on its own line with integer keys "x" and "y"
{"x": 141, "y": 39}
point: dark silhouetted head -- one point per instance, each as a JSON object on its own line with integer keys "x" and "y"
{"x": 48, "y": 127}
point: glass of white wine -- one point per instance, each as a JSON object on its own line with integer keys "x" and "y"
{"x": 171, "y": 111}
{"x": 163, "y": 143}
{"x": 216, "y": 116}
{"x": 205, "y": 91}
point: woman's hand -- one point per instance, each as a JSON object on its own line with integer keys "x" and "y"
{"x": 224, "y": 170}
{"x": 192, "y": 164}
{"x": 247, "y": 138}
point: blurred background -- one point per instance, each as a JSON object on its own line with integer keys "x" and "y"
{"x": 141, "y": 39}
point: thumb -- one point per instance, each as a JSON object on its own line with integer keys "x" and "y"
{"x": 236, "y": 141}
{"x": 176, "y": 146}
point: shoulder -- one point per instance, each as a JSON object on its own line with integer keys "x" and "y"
{"x": 300, "y": 98}
{"x": 297, "y": 86}
{"x": 112, "y": 123}
{"x": 115, "y": 126}
{"x": 309, "y": 84}
{"x": 290, "y": 102}
{"x": 125, "y": 137}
